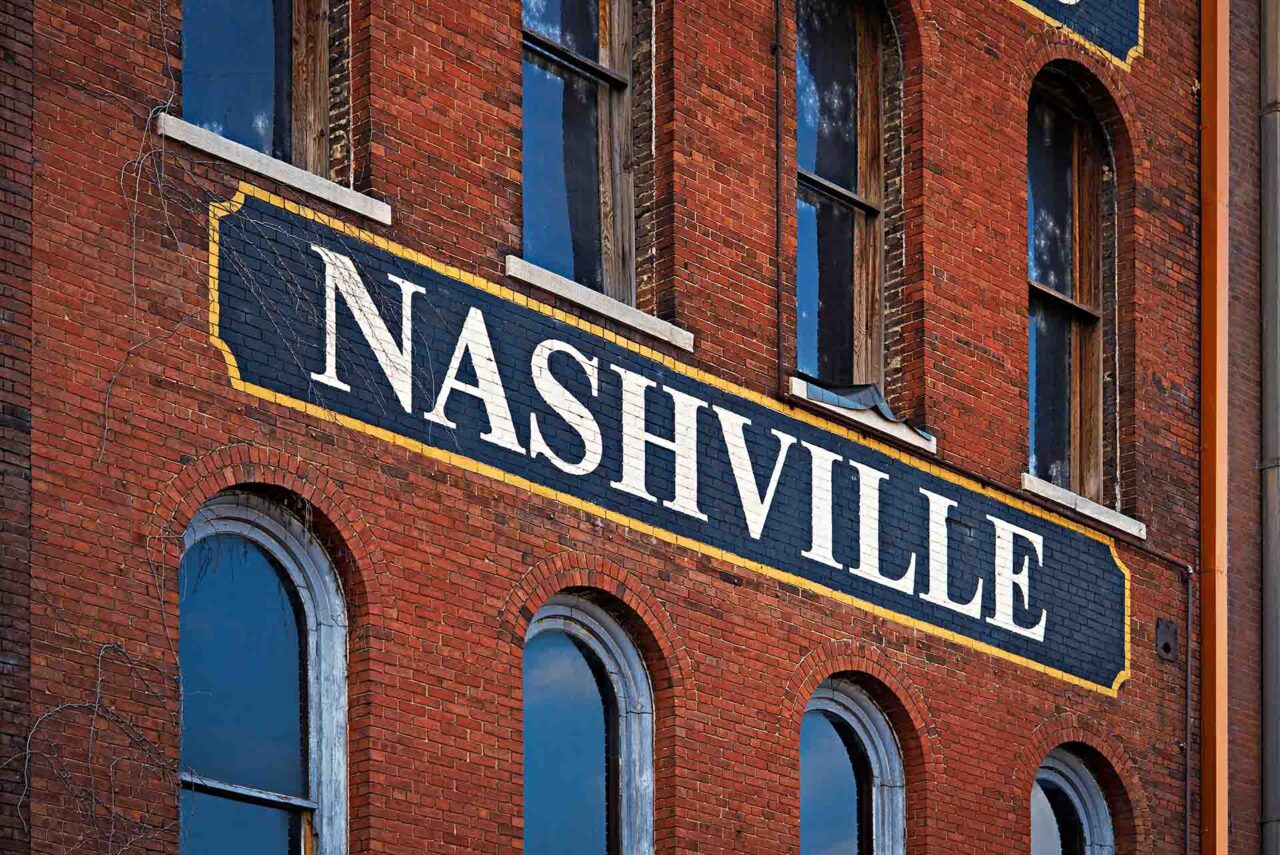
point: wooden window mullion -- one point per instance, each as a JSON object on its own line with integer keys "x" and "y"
{"x": 608, "y": 70}
{"x": 868, "y": 252}
{"x": 1088, "y": 346}
{"x": 617, "y": 182}
{"x": 311, "y": 85}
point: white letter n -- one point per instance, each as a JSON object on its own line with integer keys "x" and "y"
{"x": 397, "y": 362}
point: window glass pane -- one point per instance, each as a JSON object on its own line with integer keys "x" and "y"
{"x": 575, "y": 24}
{"x": 824, "y": 289}
{"x": 569, "y": 756}
{"x": 827, "y": 90}
{"x": 214, "y": 825}
{"x": 561, "y": 172}
{"x": 835, "y": 783}
{"x": 1050, "y": 191}
{"x": 1050, "y": 393}
{"x": 237, "y": 69}
{"x": 1056, "y": 828}
{"x": 243, "y": 667}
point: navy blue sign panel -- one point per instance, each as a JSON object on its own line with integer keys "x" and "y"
{"x": 321, "y": 317}
{"x": 1113, "y": 28}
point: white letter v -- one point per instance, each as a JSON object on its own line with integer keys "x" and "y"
{"x": 754, "y": 507}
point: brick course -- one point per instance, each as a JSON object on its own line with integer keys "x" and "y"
{"x": 443, "y": 568}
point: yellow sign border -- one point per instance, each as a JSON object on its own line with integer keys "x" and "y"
{"x": 1126, "y": 63}
{"x": 218, "y": 210}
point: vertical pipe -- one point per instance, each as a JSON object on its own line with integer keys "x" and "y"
{"x": 1186, "y": 719}
{"x": 1214, "y": 213}
{"x": 1269, "y": 296}
{"x": 783, "y": 388}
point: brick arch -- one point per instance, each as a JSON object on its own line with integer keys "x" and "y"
{"x": 1109, "y": 93}
{"x": 907, "y": 709}
{"x": 343, "y": 530}
{"x": 246, "y": 465}
{"x": 577, "y": 570}
{"x": 918, "y": 35}
{"x": 1109, "y": 761}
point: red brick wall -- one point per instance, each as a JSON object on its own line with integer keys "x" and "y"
{"x": 443, "y": 568}
{"x": 1244, "y": 559}
{"x": 16, "y": 172}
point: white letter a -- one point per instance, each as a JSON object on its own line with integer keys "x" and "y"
{"x": 474, "y": 340}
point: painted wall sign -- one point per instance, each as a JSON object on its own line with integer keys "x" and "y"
{"x": 321, "y": 317}
{"x": 1111, "y": 28}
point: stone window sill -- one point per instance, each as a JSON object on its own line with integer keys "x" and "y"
{"x": 171, "y": 127}
{"x": 615, "y": 310}
{"x": 869, "y": 419}
{"x": 1084, "y": 507}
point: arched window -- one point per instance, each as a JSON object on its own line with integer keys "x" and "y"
{"x": 852, "y": 798}
{"x": 1069, "y": 814}
{"x": 588, "y": 735}
{"x": 262, "y": 650}
{"x": 840, "y": 194}
{"x": 1069, "y": 171}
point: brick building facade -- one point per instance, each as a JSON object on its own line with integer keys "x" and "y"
{"x": 146, "y": 265}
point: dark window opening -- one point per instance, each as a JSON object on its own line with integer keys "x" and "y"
{"x": 1056, "y": 826}
{"x": 218, "y": 824}
{"x": 835, "y": 788}
{"x": 577, "y": 183}
{"x": 840, "y": 193}
{"x": 242, "y": 648}
{"x": 257, "y": 73}
{"x": 1067, "y": 167}
{"x": 571, "y": 757}
{"x": 237, "y": 70}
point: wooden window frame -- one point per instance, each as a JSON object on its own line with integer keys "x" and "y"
{"x": 617, "y": 177}
{"x": 305, "y": 809}
{"x": 1085, "y": 310}
{"x": 867, "y": 204}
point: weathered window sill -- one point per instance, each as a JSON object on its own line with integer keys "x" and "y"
{"x": 1084, "y": 507}
{"x": 869, "y": 419}
{"x": 567, "y": 289}
{"x": 171, "y": 127}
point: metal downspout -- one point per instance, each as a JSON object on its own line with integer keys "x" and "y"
{"x": 781, "y": 369}
{"x": 1269, "y": 287}
{"x": 1214, "y": 220}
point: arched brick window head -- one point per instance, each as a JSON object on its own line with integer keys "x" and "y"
{"x": 262, "y": 652}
